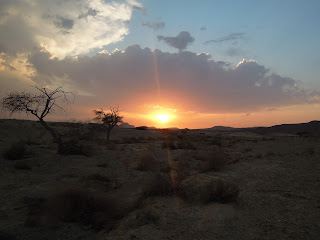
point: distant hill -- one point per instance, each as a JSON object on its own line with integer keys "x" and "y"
{"x": 126, "y": 125}
{"x": 222, "y": 128}
{"x": 312, "y": 127}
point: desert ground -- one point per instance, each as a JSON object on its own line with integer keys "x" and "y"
{"x": 157, "y": 184}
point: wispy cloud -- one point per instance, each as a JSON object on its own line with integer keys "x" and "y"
{"x": 154, "y": 25}
{"x": 230, "y": 37}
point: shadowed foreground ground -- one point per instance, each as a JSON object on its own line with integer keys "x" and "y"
{"x": 124, "y": 189}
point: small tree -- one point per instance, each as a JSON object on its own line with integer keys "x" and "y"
{"x": 110, "y": 119}
{"x": 39, "y": 105}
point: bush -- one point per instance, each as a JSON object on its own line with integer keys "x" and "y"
{"x": 159, "y": 185}
{"x": 185, "y": 145}
{"x": 16, "y": 151}
{"x": 97, "y": 177}
{"x": 169, "y": 144}
{"x": 22, "y": 165}
{"x": 73, "y": 147}
{"x": 215, "y": 160}
{"x": 204, "y": 189}
{"x": 146, "y": 163}
{"x": 88, "y": 208}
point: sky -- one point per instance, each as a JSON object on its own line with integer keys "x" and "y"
{"x": 200, "y": 63}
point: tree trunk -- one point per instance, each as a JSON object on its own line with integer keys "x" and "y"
{"x": 55, "y": 136}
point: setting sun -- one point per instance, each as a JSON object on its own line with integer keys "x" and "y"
{"x": 162, "y": 117}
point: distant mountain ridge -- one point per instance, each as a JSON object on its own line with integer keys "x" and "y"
{"x": 312, "y": 127}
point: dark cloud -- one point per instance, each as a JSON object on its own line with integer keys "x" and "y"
{"x": 64, "y": 23}
{"x": 91, "y": 12}
{"x": 189, "y": 80}
{"x": 181, "y": 41}
{"x": 230, "y": 37}
{"x": 155, "y": 25}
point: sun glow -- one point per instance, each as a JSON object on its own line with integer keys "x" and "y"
{"x": 162, "y": 117}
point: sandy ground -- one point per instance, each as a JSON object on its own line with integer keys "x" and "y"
{"x": 278, "y": 177}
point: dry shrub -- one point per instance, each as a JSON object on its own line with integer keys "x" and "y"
{"x": 101, "y": 141}
{"x": 102, "y": 165}
{"x": 97, "y": 177}
{"x": 247, "y": 149}
{"x": 169, "y": 144}
{"x": 22, "y": 165}
{"x": 159, "y": 185}
{"x": 140, "y": 218}
{"x": 146, "y": 162}
{"x": 204, "y": 189}
{"x": 215, "y": 141}
{"x": 74, "y": 147}
{"x": 130, "y": 140}
{"x": 309, "y": 151}
{"x": 224, "y": 191}
{"x": 16, "y": 151}
{"x": 111, "y": 146}
{"x": 86, "y": 207}
{"x": 183, "y": 144}
{"x": 7, "y": 236}
{"x": 216, "y": 160}
{"x": 150, "y": 139}
{"x": 181, "y": 170}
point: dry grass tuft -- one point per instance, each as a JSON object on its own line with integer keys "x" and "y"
{"x": 159, "y": 185}
{"x": 22, "y": 165}
{"x": 183, "y": 144}
{"x": 169, "y": 144}
{"x": 83, "y": 206}
{"x": 215, "y": 160}
{"x": 16, "y": 151}
{"x": 146, "y": 162}
{"x": 97, "y": 177}
{"x": 204, "y": 189}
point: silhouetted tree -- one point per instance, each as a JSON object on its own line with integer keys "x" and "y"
{"x": 39, "y": 105}
{"x": 110, "y": 119}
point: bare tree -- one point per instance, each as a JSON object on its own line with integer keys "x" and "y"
{"x": 110, "y": 119}
{"x": 39, "y": 105}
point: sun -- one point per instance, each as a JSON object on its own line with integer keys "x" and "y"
{"x": 162, "y": 117}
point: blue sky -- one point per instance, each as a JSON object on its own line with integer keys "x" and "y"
{"x": 261, "y": 58}
{"x": 282, "y": 35}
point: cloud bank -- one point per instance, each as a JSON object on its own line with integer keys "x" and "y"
{"x": 181, "y": 41}
{"x": 63, "y": 28}
{"x": 189, "y": 81}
